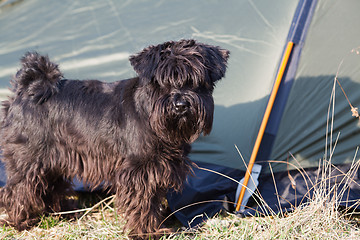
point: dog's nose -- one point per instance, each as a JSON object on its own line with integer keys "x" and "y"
{"x": 181, "y": 105}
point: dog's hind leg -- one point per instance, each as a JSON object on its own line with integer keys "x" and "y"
{"x": 28, "y": 194}
{"x": 22, "y": 199}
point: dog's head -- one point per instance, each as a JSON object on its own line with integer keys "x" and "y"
{"x": 182, "y": 75}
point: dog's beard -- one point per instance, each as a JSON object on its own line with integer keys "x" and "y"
{"x": 185, "y": 126}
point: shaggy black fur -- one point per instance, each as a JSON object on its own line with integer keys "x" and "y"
{"x": 131, "y": 136}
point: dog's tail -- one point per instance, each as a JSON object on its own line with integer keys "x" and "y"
{"x": 37, "y": 79}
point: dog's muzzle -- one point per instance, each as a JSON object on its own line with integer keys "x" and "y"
{"x": 181, "y": 106}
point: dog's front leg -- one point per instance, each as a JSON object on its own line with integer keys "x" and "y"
{"x": 139, "y": 196}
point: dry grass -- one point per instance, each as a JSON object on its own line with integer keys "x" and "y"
{"x": 314, "y": 221}
{"x": 319, "y": 218}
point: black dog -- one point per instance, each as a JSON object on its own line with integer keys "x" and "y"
{"x": 131, "y": 136}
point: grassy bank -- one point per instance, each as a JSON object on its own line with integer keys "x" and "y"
{"x": 320, "y": 218}
{"x": 312, "y": 222}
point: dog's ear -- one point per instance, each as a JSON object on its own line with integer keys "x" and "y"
{"x": 215, "y": 61}
{"x": 146, "y": 61}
